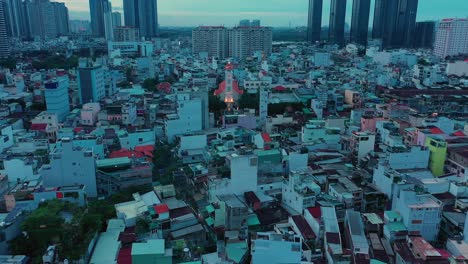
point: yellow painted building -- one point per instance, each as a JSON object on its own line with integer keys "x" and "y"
{"x": 438, "y": 148}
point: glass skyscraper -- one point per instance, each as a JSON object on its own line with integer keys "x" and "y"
{"x": 142, "y": 14}
{"x": 314, "y": 25}
{"x": 337, "y": 22}
{"x": 360, "y": 21}
{"x": 101, "y": 18}
{"x": 395, "y": 22}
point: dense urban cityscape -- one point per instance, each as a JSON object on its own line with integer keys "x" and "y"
{"x": 125, "y": 139}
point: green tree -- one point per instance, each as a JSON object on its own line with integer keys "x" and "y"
{"x": 9, "y": 63}
{"x": 215, "y": 104}
{"x": 171, "y": 79}
{"x": 56, "y": 62}
{"x": 46, "y": 226}
{"x": 281, "y": 108}
{"x": 250, "y": 101}
{"x": 164, "y": 163}
{"x": 38, "y": 107}
{"x": 150, "y": 84}
{"x": 123, "y": 84}
{"x": 129, "y": 74}
{"x": 142, "y": 226}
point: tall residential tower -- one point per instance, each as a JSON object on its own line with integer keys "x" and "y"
{"x": 360, "y": 21}
{"x": 101, "y": 17}
{"x": 4, "y": 46}
{"x": 142, "y": 14}
{"x": 451, "y": 37}
{"x": 395, "y": 22}
{"x": 337, "y": 22}
{"x": 314, "y": 24}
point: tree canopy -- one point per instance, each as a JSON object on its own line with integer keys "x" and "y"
{"x": 47, "y": 226}
{"x": 150, "y": 84}
{"x": 56, "y": 62}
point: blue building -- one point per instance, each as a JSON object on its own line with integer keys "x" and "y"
{"x": 91, "y": 84}
{"x": 56, "y": 96}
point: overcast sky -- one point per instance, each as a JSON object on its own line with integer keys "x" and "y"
{"x": 270, "y": 12}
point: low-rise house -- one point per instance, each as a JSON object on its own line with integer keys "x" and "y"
{"x": 10, "y": 227}
{"x": 130, "y": 211}
{"x": 356, "y": 237}
{"x": 108, "y": 245}
{"x": 153, "y": 251}
{"x": 394, "y": 229}
{"x": 117, "y": 174}
{"x": 273, "y": 247}
{"x": 299, "y": 192}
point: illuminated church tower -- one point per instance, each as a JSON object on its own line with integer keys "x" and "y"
{"x": 229, "y": 89}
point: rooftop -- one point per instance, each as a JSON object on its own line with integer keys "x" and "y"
{"x": 236, "y": 250}
{"x": 115, "y": 162}
{"x": 150, "y": 247}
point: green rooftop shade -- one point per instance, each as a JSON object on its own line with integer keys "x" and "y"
{"x": 209, "y": 221}
{"x": 210, "y": 209}
{"x": 236, "y": 251}
{"x": 109, "y": 163}
{"x": 252, "y": 220}
{"x": 396, "y": 226}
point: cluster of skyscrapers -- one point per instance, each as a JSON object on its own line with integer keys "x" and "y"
{"x": 394, "y": 22}
{"x": 34, "y": 18}
{"x": 141, "y": 14}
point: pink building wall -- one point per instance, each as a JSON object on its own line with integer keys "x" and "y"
{"x": 369, "y": 124}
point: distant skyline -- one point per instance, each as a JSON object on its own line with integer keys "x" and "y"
{"x": 275, "y": 13}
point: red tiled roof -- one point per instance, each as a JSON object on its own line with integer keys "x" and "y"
{"x": 126, "y": 153}
{"x": 147, "y": 150}
{"x": 459, "y": 134}
{"x": 251, "y": 197}
{"x": 266, "y": 137}
{"x": 222, "y": 88}
{"x": 38, "y": 127}
{"x": 443, "y": 253}
{"x": 315, "y": 211}
{"x": 125, "y": 256}
{"x": 436, "y": 131}
{"x": 279, "y": 88}
{"x": 127, "y": 238}
{"x": 303, "y": 227}
{"x": 236, "y": 88}
{"x": 229, "y": 67}
{"x": 161, "y": 208}
{"x": 165, "y": 86}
